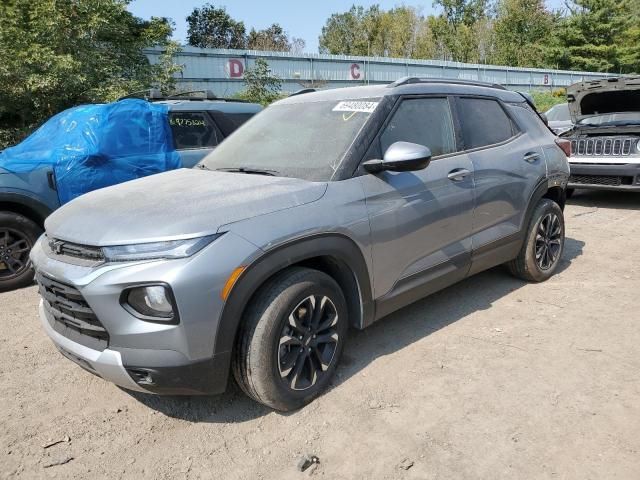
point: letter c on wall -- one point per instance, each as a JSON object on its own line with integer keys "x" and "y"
{"x": 355, "y": 71}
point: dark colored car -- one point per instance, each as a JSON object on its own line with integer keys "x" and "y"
{"x": 94, "y": 146}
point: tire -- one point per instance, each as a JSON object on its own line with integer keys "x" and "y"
{"x": 569, "y": 193}
{"x": 530, "y": 265}
{"x": 18, "y": 235}
{"x": 267, "y": 370}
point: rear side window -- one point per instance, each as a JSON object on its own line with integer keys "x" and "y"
{"x": 484, "y": 122}
{"x": 229, "y": 122}
{"x": 193, "y": 130}
{"x": 426, "y": 121}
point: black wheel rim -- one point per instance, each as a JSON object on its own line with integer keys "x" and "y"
{"x": 308, "y": 342}
{"x": 548, "y": 241}
{"x": 14, "y": 253}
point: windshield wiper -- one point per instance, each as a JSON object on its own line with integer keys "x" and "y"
{"x": 249, "y": 171}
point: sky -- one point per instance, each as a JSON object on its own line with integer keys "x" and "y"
{"x": 299, "y": 18}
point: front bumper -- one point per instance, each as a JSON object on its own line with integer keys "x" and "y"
{"x": 149, "y": 371}
{"x": 594, "y": 176}
{"x": 140, "y": 355}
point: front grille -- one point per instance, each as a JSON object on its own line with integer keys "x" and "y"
{"x": 85, "y": 253}
{"x": 607, "y": 180}
{"x": 607, "y": 146}
{"x": 71, "y": 315}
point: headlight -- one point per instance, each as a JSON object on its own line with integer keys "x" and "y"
{"x": 151, "y": 302}
{"x": 155, "y": 250}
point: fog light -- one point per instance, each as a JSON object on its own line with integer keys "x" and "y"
{"x": 153, "y": 302}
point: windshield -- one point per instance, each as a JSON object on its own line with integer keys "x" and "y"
{"x": 558, "y": 113}
{"x": 626, "y": 118}
{"x": 306, "y": 140}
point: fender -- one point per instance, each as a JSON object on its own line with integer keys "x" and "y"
{"x": 346, "y": 255}
{"x": 28, "y": 206}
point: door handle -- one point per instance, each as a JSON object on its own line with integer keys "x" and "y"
{"x": 531, "y": 157}
{"x": 458, "y": 174}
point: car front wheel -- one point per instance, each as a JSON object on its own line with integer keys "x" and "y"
{"x": 292, "y": 338}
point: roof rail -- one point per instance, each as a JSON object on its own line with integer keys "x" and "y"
{"x": 412, "y": 80}
{"x": 154, "y": 94}
{"x": 303, "y": 91}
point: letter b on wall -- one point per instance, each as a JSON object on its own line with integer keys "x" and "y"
{"x": 235, "y": 68}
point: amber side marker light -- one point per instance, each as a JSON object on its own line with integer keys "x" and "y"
{"x": 565, "y": 145}
{"x": 231, "y": 281}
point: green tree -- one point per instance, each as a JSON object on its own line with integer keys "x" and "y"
{"x": 211, "y": 27}
{"x": 457, "y": 29}
{"x": 399, "y": 32}
{"x": 58, "y": 53}
{"x": 521, "y": 31}
{"x": 273, "y": 39}
{"x": 262, "y": 86}
{"x": 590, "y": 36}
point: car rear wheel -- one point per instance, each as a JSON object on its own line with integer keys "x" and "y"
{"x": 18, "y": 235}
{"x": 292, "y": 338}
{"x": 543, "y": 245}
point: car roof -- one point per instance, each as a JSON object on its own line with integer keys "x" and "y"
{"x": 218, "y": 105}
{"x": 408, "y": 86}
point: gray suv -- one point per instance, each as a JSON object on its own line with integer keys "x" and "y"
{"x": 328, "y": 210}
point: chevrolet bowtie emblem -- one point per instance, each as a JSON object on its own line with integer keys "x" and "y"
{"x": 56, "y": 246}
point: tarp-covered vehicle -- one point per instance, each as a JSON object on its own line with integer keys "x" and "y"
{"x": 94, "y": 146}
{"x": 605, "y": 140}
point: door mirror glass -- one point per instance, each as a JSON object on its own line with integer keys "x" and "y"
{"x": 401, "y": 157}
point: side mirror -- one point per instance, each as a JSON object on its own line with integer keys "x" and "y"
{"x": 401, "y": 157}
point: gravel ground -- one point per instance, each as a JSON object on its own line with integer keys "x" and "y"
{"x": 492, "y": 378}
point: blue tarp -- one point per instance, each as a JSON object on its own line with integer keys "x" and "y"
{"x": 95, "y": 146}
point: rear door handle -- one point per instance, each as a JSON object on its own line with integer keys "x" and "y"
{"x": 531, "y": 157}
{"x": 458, "y": 174}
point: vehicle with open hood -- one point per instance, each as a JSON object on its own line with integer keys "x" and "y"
{"x": 605, "y": 140}
{"x": 328, "y": 210}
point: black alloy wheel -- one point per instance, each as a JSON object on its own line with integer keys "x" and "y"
{"x": 308, "y": 342}
{"x": 548, "y": 241}
{"x": 14, "y": 253}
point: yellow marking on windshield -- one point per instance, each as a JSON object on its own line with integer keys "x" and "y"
{"x": 346, "y": 117}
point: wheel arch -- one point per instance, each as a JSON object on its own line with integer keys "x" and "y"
{"x": 334, "y": 254}
{"x": 26, "y": 206}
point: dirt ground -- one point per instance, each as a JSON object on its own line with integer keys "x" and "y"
{"x": 492, "y": 378}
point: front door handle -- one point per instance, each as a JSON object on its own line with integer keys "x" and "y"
{"x": 531, "y": 157}
{"x": 458, "y": 174}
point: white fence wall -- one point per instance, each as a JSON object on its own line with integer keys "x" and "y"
{"x": 222, "y": 70}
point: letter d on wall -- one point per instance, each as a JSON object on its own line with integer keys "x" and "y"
{"x": 235, "y": 68}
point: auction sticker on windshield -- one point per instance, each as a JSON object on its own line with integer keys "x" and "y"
{"x": 356, "y": 106}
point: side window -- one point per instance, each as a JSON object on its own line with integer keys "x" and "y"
{"x": 229, "y": 122}
{"x": 193, "y": 130}
{"x": 484, "y": 122}
{"x": 426, "y": 121}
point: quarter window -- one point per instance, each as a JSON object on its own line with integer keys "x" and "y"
{"x": 484, "y": 122}
{"x": 426, "y": 121}
{"x": 193, "y": 130}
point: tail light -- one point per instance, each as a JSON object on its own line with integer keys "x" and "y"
{"x": 565, "y": 146}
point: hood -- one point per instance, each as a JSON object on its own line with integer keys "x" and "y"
{"x": 608, "y": 95}
{"x": 179, "y": 204}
